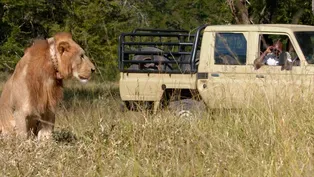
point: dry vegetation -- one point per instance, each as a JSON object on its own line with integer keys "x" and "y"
{"x": 93, "y": 138}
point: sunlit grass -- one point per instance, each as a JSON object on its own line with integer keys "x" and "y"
{"x": 93, "y": 138}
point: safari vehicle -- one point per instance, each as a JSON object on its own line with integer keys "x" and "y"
{"x": 212, "y": 66}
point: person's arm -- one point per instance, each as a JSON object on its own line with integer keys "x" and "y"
{"x": 258, "y": 62}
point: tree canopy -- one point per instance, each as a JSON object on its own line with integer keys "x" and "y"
{"x": 96, "y": 24}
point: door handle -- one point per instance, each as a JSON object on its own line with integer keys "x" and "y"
{"x": 214, "y": 74}
{"x": 260, "y": 76}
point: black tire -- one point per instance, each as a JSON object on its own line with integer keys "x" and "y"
{"x": 123, "y": 107}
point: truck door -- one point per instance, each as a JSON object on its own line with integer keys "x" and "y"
{"x": 278, "y": 82}
{"x": 228, "y": 72}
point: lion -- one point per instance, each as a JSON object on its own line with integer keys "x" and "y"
{"x": 30, "y": 96}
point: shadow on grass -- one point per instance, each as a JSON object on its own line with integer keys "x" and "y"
{"x": 64, "y": 136}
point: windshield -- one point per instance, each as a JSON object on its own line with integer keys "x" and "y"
{"x": 306, "y": 42}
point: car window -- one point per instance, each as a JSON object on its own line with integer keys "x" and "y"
{"x": 306, "y": 41}
{"x": 230, "y": 49}
{"x": 286, "y": 53}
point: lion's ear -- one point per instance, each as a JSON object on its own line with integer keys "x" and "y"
{"x": 63, "y": 46}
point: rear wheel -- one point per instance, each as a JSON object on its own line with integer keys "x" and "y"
{"x": 187, "y": 108}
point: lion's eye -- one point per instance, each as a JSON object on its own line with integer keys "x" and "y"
{"x": 82, "y": 56}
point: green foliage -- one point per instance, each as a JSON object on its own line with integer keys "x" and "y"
{"x": 183, "y": 14}
{"x": 284, "y": 11}
{"x": 96, "y": 24}
{"x": 24, "y": 21}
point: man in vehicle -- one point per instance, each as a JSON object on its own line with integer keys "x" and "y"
{"x": 274, "y": 56}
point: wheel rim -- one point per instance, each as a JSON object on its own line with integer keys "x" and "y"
{"x": 186, "y": 114}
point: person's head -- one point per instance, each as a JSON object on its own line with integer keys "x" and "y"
{"x": 277, "y": 47}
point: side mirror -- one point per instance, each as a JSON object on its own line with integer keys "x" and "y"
{"x": 285, "y": 61}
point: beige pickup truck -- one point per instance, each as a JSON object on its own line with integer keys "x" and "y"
{"x": 213, "y": 66}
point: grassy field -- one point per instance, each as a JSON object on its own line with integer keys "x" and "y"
{"x": 93, "y": 138}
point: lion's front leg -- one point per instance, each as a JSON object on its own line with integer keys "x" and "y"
{"x": 46, "y": 126}
{"x": 7, "y": 121}
{"x": 21, "y": 123}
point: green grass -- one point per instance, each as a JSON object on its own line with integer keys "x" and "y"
{"x": 93, "y": 138}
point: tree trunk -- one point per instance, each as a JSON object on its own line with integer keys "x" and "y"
{"x": 313, "y": 6}
{"x": 239, "y": 11}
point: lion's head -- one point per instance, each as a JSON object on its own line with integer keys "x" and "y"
{"x": 69, "y": 58}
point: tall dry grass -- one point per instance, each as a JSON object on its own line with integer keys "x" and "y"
{"x": 93, "y": 138}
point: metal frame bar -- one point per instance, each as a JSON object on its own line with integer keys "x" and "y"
{"x": 159, "y": 30}
{"x": 128, "y": 46}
